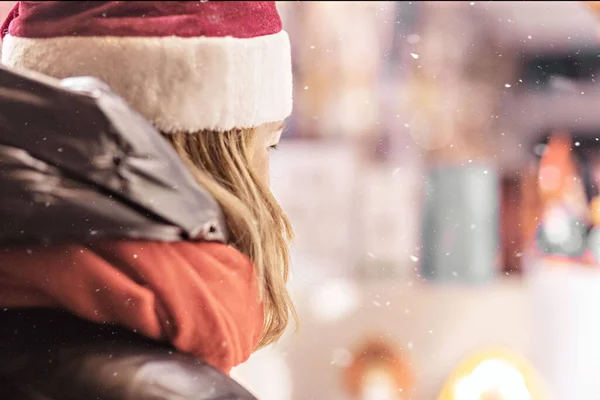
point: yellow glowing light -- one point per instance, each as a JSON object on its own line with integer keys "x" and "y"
{"x": 494, "y": 374}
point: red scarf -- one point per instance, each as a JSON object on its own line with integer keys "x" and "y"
{"x": 202, "y": 297}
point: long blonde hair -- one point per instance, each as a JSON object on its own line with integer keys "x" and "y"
{"x": 220, "y": 162}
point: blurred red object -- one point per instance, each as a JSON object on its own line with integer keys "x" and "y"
{"x": 555, "y": 168}
{"x": 379, "y": 366}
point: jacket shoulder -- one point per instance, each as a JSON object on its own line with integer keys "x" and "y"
{"x": 115, "y": 375}
{"x": 92, "y": 361}
{"x": 78, "y": 164}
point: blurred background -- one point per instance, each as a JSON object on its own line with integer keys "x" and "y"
{"x": 440, "y": 170}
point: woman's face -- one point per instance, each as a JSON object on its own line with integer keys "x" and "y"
{"x": 267, "y": 138}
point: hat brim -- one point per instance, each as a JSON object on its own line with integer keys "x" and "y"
{"x": 180, "y": 84}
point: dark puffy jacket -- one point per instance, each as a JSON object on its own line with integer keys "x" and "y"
{"x": 77, "y": 146}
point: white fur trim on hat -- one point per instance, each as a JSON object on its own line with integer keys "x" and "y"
{"x": 180, "y": 84}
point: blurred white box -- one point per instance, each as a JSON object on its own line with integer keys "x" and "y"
{"x": 565, "y": 305}
{"x": 315, "y": 182}
{"x": 390, "y": 214}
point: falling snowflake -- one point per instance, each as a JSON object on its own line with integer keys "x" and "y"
{"x": 414, "y": 258}
{"x": 507, "y": 85}
{"x": 415, "y": 56}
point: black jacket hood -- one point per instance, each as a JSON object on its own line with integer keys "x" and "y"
{"x": 78, "y": 164}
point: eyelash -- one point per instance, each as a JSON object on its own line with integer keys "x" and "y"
{"x": 274, "y": 147}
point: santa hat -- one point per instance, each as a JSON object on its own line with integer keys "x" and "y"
{"x": 187, "y": 66}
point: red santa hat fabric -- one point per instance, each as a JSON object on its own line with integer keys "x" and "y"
{"x": 187, "y": 66}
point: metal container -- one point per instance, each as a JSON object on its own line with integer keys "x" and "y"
{"x": 460, "y": 235}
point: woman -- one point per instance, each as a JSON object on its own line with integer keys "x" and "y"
{"x": 215, "y": 79}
